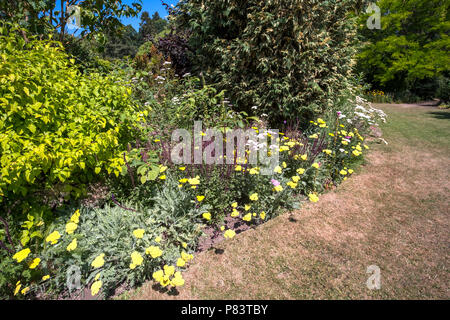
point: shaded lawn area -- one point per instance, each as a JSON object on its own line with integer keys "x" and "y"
{"x": 393, "y": 213}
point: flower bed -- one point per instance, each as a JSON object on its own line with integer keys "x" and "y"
{"x": 156, "y": 238}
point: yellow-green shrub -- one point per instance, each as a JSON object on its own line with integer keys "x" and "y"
{"x": 57, "y": 126}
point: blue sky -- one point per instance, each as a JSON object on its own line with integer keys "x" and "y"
{"x": 151, "y": 6}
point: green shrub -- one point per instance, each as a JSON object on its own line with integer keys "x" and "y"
{"x": 58, "y": 128}
{"x": 288, "y": 58}
{"x": 410, "y": 51}
{"x": 172, "y": 224}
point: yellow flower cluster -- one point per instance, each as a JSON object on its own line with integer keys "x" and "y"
{"x": 154, "y": 252}
{"x": 168, "y": 276}
{"x": 136, "y": 260}
{"x": 139, "y": 233}
{"x": 99, "y": 261}
{"x": 181, "y": 262}
{"x": 376, "y": 93}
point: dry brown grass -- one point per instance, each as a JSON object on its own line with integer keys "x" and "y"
{"x": 394, "y": 214}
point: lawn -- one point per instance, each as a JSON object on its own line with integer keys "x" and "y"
{"x": 394, "y": 213}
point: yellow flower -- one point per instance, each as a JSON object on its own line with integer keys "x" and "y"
{"x": 181, "y": 262}
{"x": 18, "y": 285}
{"x": 234, "y": 204}
{"x": 254, "y": 171}
{"x": 169, "y": 270}
{"x": 75, "y": 218}
{"x": 350, "y": 171}
{"x": 229, "y": 234}
{"x": 154, "y": 251}
{"x": 292, "y": 184}
{"x": 296, "y": 179}
{"x": 277, "y": 169}
{"x": 98, "y": 261}
{"x": 97, "y": 277}
{"x": 194, "y": 181}
{"x": 327, "y": 151}
{"x": 25, "y": 290}
{"x": 207, "y": 216}
{"x": 356, "y": 153}
{"x": 158, "y": 239}
{"x": 183, "y": 180}
{"x": 71, "y": 227}
{"x": 304, "y": 157}
{"x": 44, "y": 278}
{"x": 95, "y": 288}
{"x": 34, "y": 263}
{"x": 163, "y": 177}
{"x": 165, "y": 281}
{"x": 254, "y": 197}
{"x": 315, "y": 165}
{"x": 344, "y": 142}
{"x": 186, "y": 257}
{"x": 366, "y": 147}
{"x": 200, "y": 198}
{"x": 247, "y": 207}
{"x": 21, "y": 255}
{"x": 72, "y": 246}
{"x": 300, "y": 171}
{"x": 313, "y": 197}
{"x": 284, "y": 164}
{"x": 314, "y": 136}
{"x": 238, "y": 168}
{"x": 343, "y": 172}
{"x": 235, "y": 213}
{"x": 222, "y": 228}
{"x": 247, "y": 217}
{"x": 158, "y": 275}
{"x": 177, "y": 280}
{"x": 262, "y": 215}
{"x": 184, "y": 244}
{"x": 136, "y": 258}
{"x": 139, "y": 233}
{"x": 53, "y": 237}
{"x": 278, "y": 188}
{"x": 182, "y": 168}
{"x": 162, "y": 169}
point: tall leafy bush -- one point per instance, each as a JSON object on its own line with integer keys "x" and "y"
{"x": 410, "y": 52}
{"x": 288, "y": 58}
{"x": 58, "y": 128}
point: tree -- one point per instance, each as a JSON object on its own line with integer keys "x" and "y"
{"x": 149, "y": 27}
{"x": 410, "y": 52}
{"x": 124, "y": 44}
{"x": 49, "y": 16}
{"x": 290, "y": 59}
